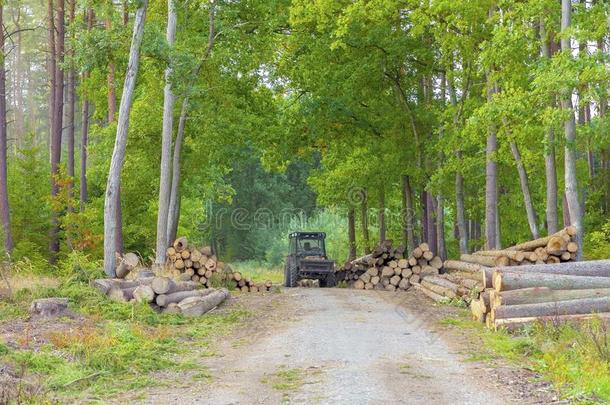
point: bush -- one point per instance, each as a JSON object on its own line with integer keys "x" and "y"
{"x": 597, "y": 243}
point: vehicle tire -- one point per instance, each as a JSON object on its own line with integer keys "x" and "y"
{"x": 293, "y": 276}
{"x": 330, "y": 281}
{"x": 286, "y": 275}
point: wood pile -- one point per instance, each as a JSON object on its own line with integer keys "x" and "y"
{"x": 201, "y": 266}
{"x": 391, "y": 269}
{"x": 546, "y": 293}
{"x": 164, "y": 294}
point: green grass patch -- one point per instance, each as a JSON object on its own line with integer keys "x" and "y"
{"x": 575, "y": 358}
{"x": 260, "y": 271}
{"x": 286, "y": 379}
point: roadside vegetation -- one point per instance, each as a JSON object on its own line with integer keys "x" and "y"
{"x": 109, "y": 347}
{"x": 575, "y": 358}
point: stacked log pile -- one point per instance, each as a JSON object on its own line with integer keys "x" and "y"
{"x": 552, "y": 292}
{"x": 201, "y": 266}
{"x": 164, "y": 294}
{"x": 391, "y": 269}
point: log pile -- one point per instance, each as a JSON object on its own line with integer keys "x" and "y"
{"x": 202, "y": 266}
{"x": 164, "y": 294}
{"x": 391, "y": 269}
{"x": 547, "y": 293}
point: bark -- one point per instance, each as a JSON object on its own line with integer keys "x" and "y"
{"x": 488, "y": 261}
{"x": 543, "y": 242}
{"x": 118, "y": 154}
{"x": 440, "y": 227}
{"x": 364, "y": 213}
{"x": 19, "y": 80}
{"x": 111, "y": 96}
{"x": 516, "y": 323}
{"x": 164, "y": 285}
{"x": 552, "y": 308}
{"x": 536, "y": 295}
{"x": 525, "y": 190}
{"x": 166, "y": 143}
{"x": 505, "y": 281}
{"x": 571, "y": 182}
{"x": 164, "y": 300}
{"x": 56, "y": 125}
{"x": 408, "y": 211}
{"x": 351, "y": 225}
{"x": 431, "y": 223}
{"x": 491, "y": 174}
{"x": 381, "y": 215}
{"x": 197, "y": 306}
{"x": 459, "y": 211}
{"x": 550, "y": 169}
{"x": 70, "y": 103}
{"x": 595, "y": 268}
{"x": 83, "y": 150}
{"x": 4, "y": 204}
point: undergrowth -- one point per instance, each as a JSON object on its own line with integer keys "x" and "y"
{"x": 575, "y": 358}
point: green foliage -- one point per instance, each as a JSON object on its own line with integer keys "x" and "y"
{"x": 597, "y": 243}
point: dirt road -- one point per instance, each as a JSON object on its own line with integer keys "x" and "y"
{"x": 339, "y": 346}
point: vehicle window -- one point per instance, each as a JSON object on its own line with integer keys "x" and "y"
{"x": 310, "y": 247}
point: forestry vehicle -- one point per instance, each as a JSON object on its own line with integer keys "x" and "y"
{"x": 307, "y": 260}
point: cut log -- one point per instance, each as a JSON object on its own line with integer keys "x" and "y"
{"x": 197, "y": 306}
{"x": 572, "y": 247}
{"x": 440, "y": 281}
{"x": 180, "y": 244}
{"x": 443, "y": 291}
{"x": 164, "y": 285}
{"x": 557, "y": 245}
{"x": 436, "y": 262}
{"x": 517, "y": 256}
{"x": 406, "y": 273}
{"x": 127, "y": 263}
{"x": 143, "y": 293}
{"x": 417, "y": 252}
{"x": 516, "y": 323}
{"x": 121, "y": 294}
{"x": 506, "y": 281}
{"x": 428, "y": 271}
{"x": 172, "y": 308}
{"x": 477, "y": 308}
{"x": 179, "y": 264}
{"x": 571, "y": 307}
{"x": 540, "y": 242}
{"x": 387, "y": 271}
{"x": 424, "y": 247}
{"x": 414, "y": 279}
{"x": 375, "y": 280}
{"x": 196, "y": 256}
{"x": 237, "y": 276}
{"x": 462, "y": 266}
{"x": 477, "y": 276}
{"x": 594, "y": 268}
{"x": 170, "y": 251}
{"x": 206, "y": 251}
{"x": 431, "y": 294}
{"x": 428, "y": 255}
{"x": 395, "y": 280}
{"x": 412, "y": 261}
{"x": 50, "y": 308}
{"x": 185, "y": 254}
{"x": 403, "y": 263}
{"x": 359, "y": 285}
{"x": 537, "y": 295}
{"x": 404, "y": 284}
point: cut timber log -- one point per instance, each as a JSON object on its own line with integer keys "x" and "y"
{"x": 537, "y": 295}
{"x": 595, "y": 268}
{"x": 144, "y": 293}
{"x": 571, "y": 307}
{"x": 438, "y": 289}
{"x": 164, "y": 300}
{"x": 121, "y": 294}
{"x": 517, "y": 256}
{"x": 430, "y": 294}
{"x": 127, "y": 263}
{"x": 516, "y": 323}
{"x": 542, "y": 242}
{"x": 164, "y": 285}
{"x": 506, "y": 281}
{"x": 180, "y": 244}
{"x": 476, "y": 259}
{"x": 197, "y": 306}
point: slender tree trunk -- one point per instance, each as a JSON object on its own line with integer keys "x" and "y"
{"x": 571, "y": 182}
{"x": 51, "y": 67}
{"x": 425, "y": 237}
{"x": 351, "y": 227}
{"x": 381, "y": 215}
{"x": 364, "y": 213}
{"x": 4, "y": 204}
{"x": 110, "y": 75}
{"x": 57, "y": 124}
{"x": 408, "y": 210}
{"x": 525, "y": 190}
{"x": 549, "y": 153}
{"x": 174, "y": 200}
{"x": 85, "y": 131}
{"x": 166, "y": 144}
{"x": 19, "y": 80}
{"x": 431, "y": 222}
{"x": 70, "y": 104}
{"x": 440, "y": 227}
{"x": 491, "y": 182}
{"x": 118, "y": 154}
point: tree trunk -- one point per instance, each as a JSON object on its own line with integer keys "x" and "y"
{"x": 174, "y": 199}
{"x": 381, "y": 215}
{"x": 197, "y": 306}
{"x": 505, "y": 280}
{"x": 83, "y": 149}
{"x": 364, "y": 213}
{"x": 118, "y": 154}
{"x": 552, "y": 308}
{"x": 595, "y": 268}
{"x": 440, "y": 227}
{"x": 166, "y": 143}
{"x": 491, "y": 174}
{"x": 408, "y": 211}
{"x": 550, "y": 169}
{"x": 4, "y": 204}
{"x": 110, "y": 75}
{"x": 431, "y": 223}
{"x": 70, "y": 104}
{"x": 571, "y": 182}
{"x": 56, "y": 133}
{"x": 351, "y": 227}
{"x": 525, "y": 190}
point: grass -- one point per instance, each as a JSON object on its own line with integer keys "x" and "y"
{"x": 119, "y": 347}
{"x": 260, "y": 271}
{"x": 575, "y": 358}
{"x": 286, "y": 379}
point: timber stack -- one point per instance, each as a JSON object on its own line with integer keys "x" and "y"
{"x": 164, "y": 294}
{"x": 391, "y": 269}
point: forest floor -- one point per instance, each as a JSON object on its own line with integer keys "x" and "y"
{"x": 346, "y": 346}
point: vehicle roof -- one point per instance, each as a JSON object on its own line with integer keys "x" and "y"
{"x": 307, "y": 235}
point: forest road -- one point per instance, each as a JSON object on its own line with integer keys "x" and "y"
{"x": 339, "y": 346}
